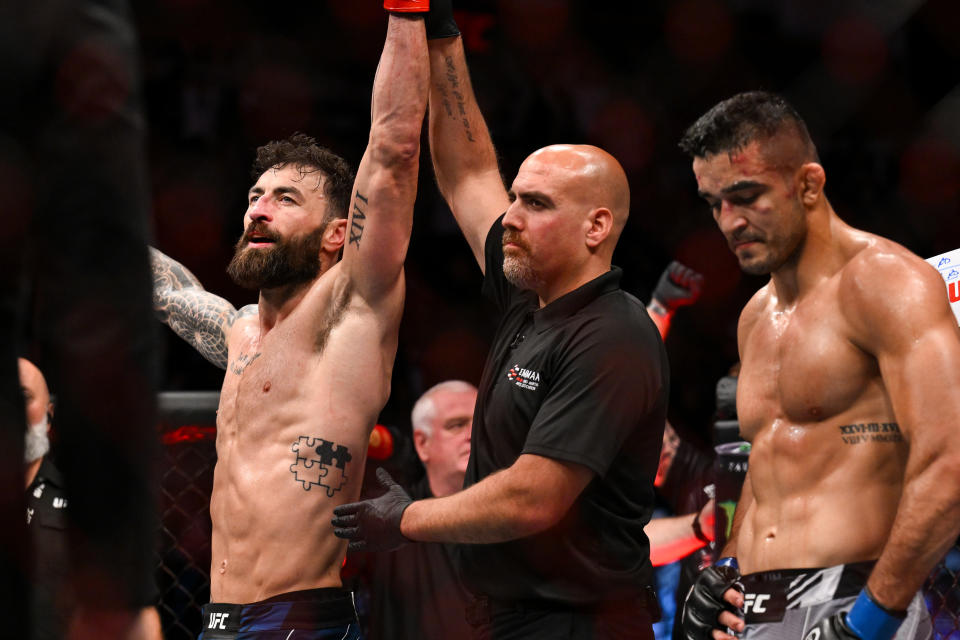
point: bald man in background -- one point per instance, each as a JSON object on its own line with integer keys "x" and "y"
{"x": 572, "y": 401}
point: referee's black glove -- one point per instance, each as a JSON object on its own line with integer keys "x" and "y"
{"x": 374, "y": 525}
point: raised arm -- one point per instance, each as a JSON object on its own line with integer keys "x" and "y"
{"x": 201, "y": 318}
{"x": 381, "y": 210}
{"x": 915, "y": 339}
{"x": 464, "y": 159}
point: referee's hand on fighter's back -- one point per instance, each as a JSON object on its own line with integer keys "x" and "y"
{"x": 374, "y": 525}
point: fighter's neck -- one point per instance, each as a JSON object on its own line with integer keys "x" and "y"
{"x": 279, "y": 302}
{"x": 821, "y": 254}
{"x": 276, "y": 304}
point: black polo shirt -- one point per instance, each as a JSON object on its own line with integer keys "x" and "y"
{"x": 584, "y": 379}
{"x": 52, "y": 602}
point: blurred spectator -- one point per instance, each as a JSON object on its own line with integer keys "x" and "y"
{"x": 53, "y": 601}
{"x": 415, "y": 591}
{"x": 72, "y": 171}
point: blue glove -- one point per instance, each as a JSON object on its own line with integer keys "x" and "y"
{"x": 867, "y": 620}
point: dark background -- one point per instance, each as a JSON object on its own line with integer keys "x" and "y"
{"x": 877, "y": 81}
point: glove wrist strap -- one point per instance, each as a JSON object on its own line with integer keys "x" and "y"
{"x": 728, "y": 561}
{"x": 871, "y": 620}
{"x": 659, "y": 308}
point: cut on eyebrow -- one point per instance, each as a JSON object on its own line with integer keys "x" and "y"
{"x": 741, "y": 185}
{"x": 736, "y": 186}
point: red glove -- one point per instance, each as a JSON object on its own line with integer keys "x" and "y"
{"x": 407, "y": 6}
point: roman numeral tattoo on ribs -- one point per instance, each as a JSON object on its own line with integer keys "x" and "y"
{"x": 357, "y": 220}
{"x": 870, "y": 432}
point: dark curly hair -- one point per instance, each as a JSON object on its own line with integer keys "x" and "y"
{"x": 736, "y": 122}
{"x": 303, "y": 152}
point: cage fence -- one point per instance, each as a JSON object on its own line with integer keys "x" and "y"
{"x": 183, "y": 571}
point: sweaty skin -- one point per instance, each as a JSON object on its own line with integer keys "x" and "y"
{"x": 848, "y": 367}
{"x": 310, "y": 364}
{"x": 825, "y": 491}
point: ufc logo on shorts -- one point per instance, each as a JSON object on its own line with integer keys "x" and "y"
{"x": 218, "y": 620}
{"x": 754, "y": 602}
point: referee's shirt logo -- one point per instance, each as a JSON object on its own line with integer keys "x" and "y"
{"x": 524, "y": 378}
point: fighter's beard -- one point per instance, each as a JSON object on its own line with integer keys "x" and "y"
{"x": 288, "y": 262}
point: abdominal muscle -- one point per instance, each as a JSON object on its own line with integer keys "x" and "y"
{"x": 818, "y": 501}
{"x": 271, "y": 525}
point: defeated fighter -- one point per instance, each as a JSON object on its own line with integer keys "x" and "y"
{"x": 307, "y": 367}
{"x": 847, "y": 392}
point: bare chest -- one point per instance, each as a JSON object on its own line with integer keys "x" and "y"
{"x": 800, "y": 367}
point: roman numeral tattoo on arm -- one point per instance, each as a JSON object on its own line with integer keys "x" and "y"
{"x": 358, "y": 219}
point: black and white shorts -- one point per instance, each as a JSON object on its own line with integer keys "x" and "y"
{"x": 786, "y": 604}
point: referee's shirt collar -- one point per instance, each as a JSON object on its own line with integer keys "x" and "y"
{"x": 569, "y": 303}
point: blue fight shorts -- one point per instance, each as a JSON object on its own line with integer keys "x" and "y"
{"x": 313, "y": 614}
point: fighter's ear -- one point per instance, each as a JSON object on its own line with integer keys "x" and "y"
{"x": 599, "y": 224}
{"x": 812, "y": 178}
{"x": 334, "y": 235}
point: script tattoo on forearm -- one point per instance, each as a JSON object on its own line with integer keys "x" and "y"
{"x": 199, "y": 317}
{"x": 870, "y": 432}
{"x": 320, "y": 462}
{"x": 460, "y": 112}
{"x": 358, "y": 219}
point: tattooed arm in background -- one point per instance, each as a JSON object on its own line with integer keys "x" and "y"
{"x": 464, "y": 159}
{"x": 201, "y": 318}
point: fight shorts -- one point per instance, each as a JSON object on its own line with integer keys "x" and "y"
{"x": 788, "y": 603}
{"x": 313, "y": 614}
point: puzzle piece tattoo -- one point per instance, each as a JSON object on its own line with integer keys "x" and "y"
{"x": 320, "y": 462}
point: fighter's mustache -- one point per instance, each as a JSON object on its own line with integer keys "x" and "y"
{"x": 741, "y": 238}
{"x": 258, "y": 232}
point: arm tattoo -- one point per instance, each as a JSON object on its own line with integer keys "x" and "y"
{"x": 358, "y": 219}
{"x": 198, "y": 316}
{"x": 461, "y": 110}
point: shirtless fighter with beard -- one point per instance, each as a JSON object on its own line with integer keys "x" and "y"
{"x": 308, "y": 367}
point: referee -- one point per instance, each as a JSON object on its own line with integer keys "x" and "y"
{"x": 572, "y": 400}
